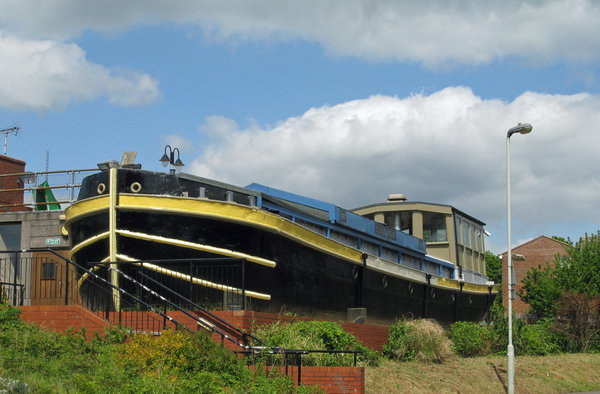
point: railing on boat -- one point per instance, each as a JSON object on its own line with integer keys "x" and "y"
{"x": 64, "y": 186}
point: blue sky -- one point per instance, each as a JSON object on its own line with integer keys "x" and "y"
{"x": 345, "y": 101}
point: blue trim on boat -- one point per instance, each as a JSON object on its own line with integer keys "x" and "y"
{"x": 351, "y": 224}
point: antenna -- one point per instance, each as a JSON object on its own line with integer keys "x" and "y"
{"x": 6, "y": 132}
{"x": 47, "y": 162}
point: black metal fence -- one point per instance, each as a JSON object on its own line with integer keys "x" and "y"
{"x": 36, "y": 278}
{"x": 128, "y": 294}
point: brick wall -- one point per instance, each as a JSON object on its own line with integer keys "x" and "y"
{"x": 8, "y": 165}
{"x": 539, "y": 251}
{"x": 330, "y": 379}
{"x": 370, "y": 335}
{"x": 62, "y": 317}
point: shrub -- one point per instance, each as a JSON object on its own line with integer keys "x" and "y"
{"x": 315, "y": 335}
{"x": 422, "y": 340}
{"x": 537, "y": 339}
{"x": 10, "y": 316}
{"x": 178, "y": 353}
{"x": 577, "y": 321}
{"x": 469, "y": 338}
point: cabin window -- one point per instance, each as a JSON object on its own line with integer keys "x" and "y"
{"x": 48, "y": 270}
{"x": 401, "y": 221}
{"x": 465, "y": 232}
{"x": 434, "y": 227}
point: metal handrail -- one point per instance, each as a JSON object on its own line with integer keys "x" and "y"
{"x": 188, "y": 301}
{"x": 175, "y": 306}
{"x": 34, "y": 180}
{"x": 204, "y": 310}
{"x": 81, "y": 269}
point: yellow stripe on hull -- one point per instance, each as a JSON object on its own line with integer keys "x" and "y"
{"x": 219, "y": 210}
{"x": 201, "y": 247}
{"x": 197, "y": 281}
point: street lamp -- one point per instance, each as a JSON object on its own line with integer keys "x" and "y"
{"x": 522, "y": 128}
{"x": 170, "y": 158}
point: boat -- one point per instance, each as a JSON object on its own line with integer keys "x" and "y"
{"x": 301, "y": 255}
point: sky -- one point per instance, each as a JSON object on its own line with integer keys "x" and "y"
{"x": 345, "y": 101}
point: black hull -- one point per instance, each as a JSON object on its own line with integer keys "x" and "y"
{"x": 305, "y": 281}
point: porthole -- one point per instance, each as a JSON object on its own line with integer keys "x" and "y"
{"x": 410, "y": 288}
{"x": 101, "y": 188}
{"x": 453, "y": 297}
{"x": 470, "y": 300}
{"x": 355, "y": 272}
{"x": 432, "y": 294}
{"x": 384, "y": 281}
{"x": 135, "y": 187}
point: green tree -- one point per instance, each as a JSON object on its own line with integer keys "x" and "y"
{"x": 493, "y": 266}
{"x": 563, "y": 240}
{"x": 541, "y": 289}
{"x": 578, "y": 272}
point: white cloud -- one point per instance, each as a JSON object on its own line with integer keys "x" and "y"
{"x": 47, "y": 75}
{"x": 434, "y": 33}
{"x": 448, "y": 147}
{"x": 46, "y": 70}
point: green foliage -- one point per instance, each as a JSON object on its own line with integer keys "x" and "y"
{"x": 493, "y": 265}
{"x": 580, "y": 271}
{"x": 190, "y": 359}
{"x": 35, "y": 360}
{"x": 563, "y": 240}
{"x": 569, "y": 292}
{"x": 9, "y": 315}
{"x": 469, "y": 338}
{"x": 538, "y": 339}
{"x": 315, "y": 335}
{"x": 423, "y": 340}
{"x": 472, "y": 339}
{"x": 541, "y": 288}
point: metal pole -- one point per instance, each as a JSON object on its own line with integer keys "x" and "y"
{"x": 244, "y": 284}
{"x": 510, "y": 349}
{"x": 112, "y": 239}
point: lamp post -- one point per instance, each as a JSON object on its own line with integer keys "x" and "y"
{"x": 170, "y": 158}
{"x": 523, "y": 128}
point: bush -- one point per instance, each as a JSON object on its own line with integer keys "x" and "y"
{"x": 469, "y": 338}
{"x": 537, "y": 339}
{"x": 422, "y": 340}
{"x": 180, "y": 354}
{"x": 9, "y": 315}
{"x": 577, "y": 320}
{"x": 315, "y": 335}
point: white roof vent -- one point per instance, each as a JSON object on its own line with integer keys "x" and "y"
{"x": 396, "y": 198}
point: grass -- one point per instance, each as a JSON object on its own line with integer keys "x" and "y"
{"x": 533, "y": 374}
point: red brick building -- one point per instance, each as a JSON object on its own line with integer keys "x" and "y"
{"x": 538, "y": 251}
{"x": 14, "y": 199}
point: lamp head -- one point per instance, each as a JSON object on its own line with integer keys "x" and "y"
{"x": 165, "y": 160}
{"x": 521, "y": 128}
